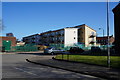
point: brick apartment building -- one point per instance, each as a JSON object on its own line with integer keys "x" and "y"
{"x": 68, "y": 36}
{"x": 116, "y": 12}
{"x": 7, "y": 42}
{"x": 12, "y": 39}
{"x": 104, "y": 40}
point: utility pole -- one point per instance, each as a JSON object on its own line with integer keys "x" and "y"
{"x": 108, "y": 49}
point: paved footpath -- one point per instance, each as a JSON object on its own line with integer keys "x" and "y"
{"x": 93, "y": 70}
{"x": 32, "y": 52}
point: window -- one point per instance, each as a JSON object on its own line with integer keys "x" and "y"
{"x": 92, "y": 33}
{"x": 74, "y": 37}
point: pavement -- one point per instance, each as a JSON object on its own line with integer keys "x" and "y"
{"x": 93, "y": 70}
{"x": 32, "y": 52}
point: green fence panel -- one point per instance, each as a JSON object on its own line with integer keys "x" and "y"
{"x": 24, "y": 48}
{"x": 61, "y": 46}
{"x": 6, "y": 45}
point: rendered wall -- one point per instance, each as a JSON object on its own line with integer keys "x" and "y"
{"x": 70, "y": 36}
{"x": 88, "y": 32}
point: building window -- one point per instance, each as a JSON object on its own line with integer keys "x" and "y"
{"x": 92, "y": 33}
{"x": 74, "y": 37}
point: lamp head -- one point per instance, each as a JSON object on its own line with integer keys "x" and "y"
{"x": 99, "y": 28}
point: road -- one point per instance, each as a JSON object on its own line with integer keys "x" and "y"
{"x": 15, "y": 66}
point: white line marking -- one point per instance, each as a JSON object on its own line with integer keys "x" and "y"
{"x": 25, "y": 71}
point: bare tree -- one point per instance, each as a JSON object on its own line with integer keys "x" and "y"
{"x": 1, "y": 25}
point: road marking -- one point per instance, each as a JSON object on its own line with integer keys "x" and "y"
{"x": 25, "y": 71}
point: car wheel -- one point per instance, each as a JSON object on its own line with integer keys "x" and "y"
{"x": 52, "y": 53}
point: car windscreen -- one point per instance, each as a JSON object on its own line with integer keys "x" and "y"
{"x": 49, "y": 48}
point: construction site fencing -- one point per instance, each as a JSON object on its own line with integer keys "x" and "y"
{"x": 25, "y": 48}
{"x": 62, "y": 46}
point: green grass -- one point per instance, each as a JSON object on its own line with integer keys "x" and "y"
{"x": 99, "y": 60}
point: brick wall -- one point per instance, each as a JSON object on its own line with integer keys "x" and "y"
{"x": 12, "y": 39}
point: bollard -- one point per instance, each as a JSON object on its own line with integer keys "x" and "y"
{"x": 62, "y": 56}
{"x": 68, "y": 57}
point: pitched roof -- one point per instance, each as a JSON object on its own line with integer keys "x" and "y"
{"x": 116, "y": 9}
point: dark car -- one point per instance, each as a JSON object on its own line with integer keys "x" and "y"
{"x": 95, "y": 49}
{"x": 76, "y": 50}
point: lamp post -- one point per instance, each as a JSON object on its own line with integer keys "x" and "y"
{"x": 108, "y": 49}
{"x": 103, "y": 31}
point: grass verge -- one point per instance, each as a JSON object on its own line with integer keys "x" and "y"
{"x": 98, "y": 60}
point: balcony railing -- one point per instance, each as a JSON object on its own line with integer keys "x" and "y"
{"x": 92, "y": 35}
{"x": 52, "y": 42}
{"x": 33, "y": 38}
{"x": 92, "y": 42}
{"x": 44, "y": 36}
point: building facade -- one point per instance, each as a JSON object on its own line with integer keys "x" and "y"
{"x": 12, "y": 39}
{"x": 9, "y": 35}
{"x": 32, "y": 39}
{"x": 116, "y": 12}
{"x": 86, "y": 35}
{"x": 104, "y": 40}
{"x": 7, "y": 42}
{"x": 68, "y": 36}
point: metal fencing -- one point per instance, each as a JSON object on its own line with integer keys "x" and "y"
{"x": 25, "y": 48}
{"x": 32, "y": 47}
{"x": 61, "y": 46}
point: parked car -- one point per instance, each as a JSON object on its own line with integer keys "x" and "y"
{"x": 95, "y": 49}
{"x": 76, "y": 50}
{"x": 53, "y": 50}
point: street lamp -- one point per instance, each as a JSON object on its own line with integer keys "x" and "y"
{"x": 103, "y": 31}
{"x": 108, "y": 57}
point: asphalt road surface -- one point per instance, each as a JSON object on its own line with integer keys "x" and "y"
{"x": 15, "y": 66}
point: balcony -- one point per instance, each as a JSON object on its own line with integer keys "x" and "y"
{"x": 92, "y": 42}
{"x": 58, "y": 34}
{"x": 52, "y": 36}
{"x": 52, "y": 42}
{"x": 33, "y": 38}
{"x": 33, "y": 41}
{"x": 44, "y": 36}
{"x": 44, "y": 41}
{"x": 59, "y": 41}
{"x": 92, "y": 36}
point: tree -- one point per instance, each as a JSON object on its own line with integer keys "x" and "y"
{"x": 1, "y": 25}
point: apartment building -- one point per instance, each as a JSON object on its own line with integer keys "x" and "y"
{"x": 116, "y": 12}
{"x": 7, "y": 42}
{"x": 32, "y": 39}
{"x": 86, "y": 35}
{"x": 104, "y": 40}
{"x": 81, "y": 34}
{"x": 53, "y": 37}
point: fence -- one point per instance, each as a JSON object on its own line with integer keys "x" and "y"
{"x": 61, "y": 46}
{"x": 24, "y": 48}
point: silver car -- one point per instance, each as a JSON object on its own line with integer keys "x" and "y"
{"x": 53, "y": 50}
